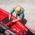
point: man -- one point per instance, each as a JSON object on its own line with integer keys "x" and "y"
{"x": 19, "y": 13}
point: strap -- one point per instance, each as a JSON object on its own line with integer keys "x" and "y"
{"x": 12, "y": 11}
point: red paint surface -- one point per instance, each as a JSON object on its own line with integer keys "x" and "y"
{"x": 15, "y": 27}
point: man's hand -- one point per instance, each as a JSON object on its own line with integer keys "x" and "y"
{"x": 16, "y": 19}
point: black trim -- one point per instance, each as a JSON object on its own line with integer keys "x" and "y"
{"x": 6, "y": 20}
